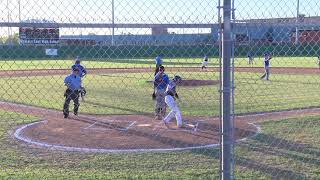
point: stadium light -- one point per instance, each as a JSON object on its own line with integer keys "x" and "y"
{"x": 112, "y": 37}
{"x": 19, "y": 6}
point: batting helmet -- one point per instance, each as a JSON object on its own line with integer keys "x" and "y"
{"x": 77, "y": 60}
{"x": 161, "y": 68}
{"x": 177, "y": 78}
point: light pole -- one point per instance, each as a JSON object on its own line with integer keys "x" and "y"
{"x": 297, "y": 20}
{"x": 112, "y": 37}
{"x": 19, "y": 6}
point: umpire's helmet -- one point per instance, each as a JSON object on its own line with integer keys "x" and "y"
{"x": 177, "y": 79}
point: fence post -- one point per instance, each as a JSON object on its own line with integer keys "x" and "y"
{"x": 226, "y": 134}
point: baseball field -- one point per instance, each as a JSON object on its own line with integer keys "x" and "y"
{"x": 276, "y": 122}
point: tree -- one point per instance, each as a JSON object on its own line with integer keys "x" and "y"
{"x": 11, "y": 40}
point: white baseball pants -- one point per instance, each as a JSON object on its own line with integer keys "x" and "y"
{"x": 174, "y": 111}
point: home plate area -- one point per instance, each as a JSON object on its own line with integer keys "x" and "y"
{"x": 127, "y": 132}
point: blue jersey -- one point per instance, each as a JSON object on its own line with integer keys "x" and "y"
{"x": 82, "y": 70}
{"x": 267, "y": 61}
{"x": 161, "y": 82}
{"x": 158, "y": 61}
{"x": 73, "y": 82}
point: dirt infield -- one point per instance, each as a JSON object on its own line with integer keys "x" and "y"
{"x": 129, "y": 132}
{"x": 195, "y": 82}
{"x": 50, "y": 72}
{"x": 116, "y": 133}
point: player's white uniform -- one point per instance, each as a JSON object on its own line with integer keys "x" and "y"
{"x": 170, "y": 101}
{"x": 205, "y": 62}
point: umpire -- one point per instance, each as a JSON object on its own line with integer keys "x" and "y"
{"x": 73, "y": 82}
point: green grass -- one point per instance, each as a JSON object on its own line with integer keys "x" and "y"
{"x": 108, "y": 94}
{"x": 310, "y": 62}
{"x": 287, "y": 149}
{"x": 99, "y": 63}
{"x": 170, "y": 62}
{"x": 131, "y": 94}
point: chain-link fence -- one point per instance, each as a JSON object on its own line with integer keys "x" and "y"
{"x": 156, "y": 89}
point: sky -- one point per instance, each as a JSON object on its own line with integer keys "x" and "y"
{"x": 145, "y": 11}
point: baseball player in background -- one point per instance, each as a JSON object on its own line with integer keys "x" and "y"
{"x": 73, "y": 83}
{"x": 161, "y": 81}
{"x": 158, "y": 62}
{"x": 170, "y": 97}
{"x": 250, "y": 57}
{"x": 205, "y": 62}
{"x": 266, "y": 62}
{"x": 82, "y": 72}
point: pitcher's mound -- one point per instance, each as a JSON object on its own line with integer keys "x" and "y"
{"x": 196, "y": 82}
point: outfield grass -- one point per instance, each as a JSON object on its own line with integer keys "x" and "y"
{"x": 100, "y": 63}
{"x": 131, "y": 94}
{"x": 310, "y": 62}
{"x": 287, "y": 149}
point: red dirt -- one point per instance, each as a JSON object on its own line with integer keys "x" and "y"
{"x": 195, "y": 82}
{"x": 50, "y": 72}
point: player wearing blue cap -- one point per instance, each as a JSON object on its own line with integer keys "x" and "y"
{"x": 82, "y": 72}
{"x": 161, "y": 81}
{"x": 158, "y": 62}
{"x": 266, "y": 62}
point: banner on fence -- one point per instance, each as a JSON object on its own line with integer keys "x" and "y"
{"x": 52, "y": 52}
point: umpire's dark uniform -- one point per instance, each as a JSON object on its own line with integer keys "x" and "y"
{"x": 73, "y": 82}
